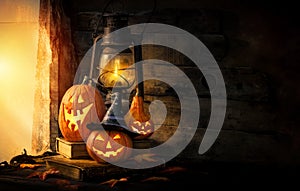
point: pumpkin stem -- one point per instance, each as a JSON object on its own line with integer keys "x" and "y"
{"x": 139, "y": 69}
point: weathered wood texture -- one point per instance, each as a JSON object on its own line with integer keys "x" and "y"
{"x": 56, "y": 69}
{"x": 243, "y": 147}
{"x": 250, "y": 132}
{"x": 41, "y": 116}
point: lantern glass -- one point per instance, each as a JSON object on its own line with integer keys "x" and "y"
{"x": 116, "y": 70}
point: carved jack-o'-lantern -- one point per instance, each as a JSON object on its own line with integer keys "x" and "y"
{"x": 80, "y": 106}
{"x": 109, "y": 146}
{"x": 137, "y": 120}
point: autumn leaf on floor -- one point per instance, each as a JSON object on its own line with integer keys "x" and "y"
{"x": 173, "y": 169}
{"x": 34, "y": 174}
{"x": 48, "y": 172}
{"x": 112, "y": 182}
{"x": 156, "y": 179}
{"x": 31, "y": 166}
{"x": 43, "y": 174}
{"x": 145, "y": 157}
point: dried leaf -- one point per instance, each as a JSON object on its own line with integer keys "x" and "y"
{"x": 34, "y": 174}
{"x": 43, "y": 174}
{"x": 123, "y": 179}
{"x": 31, "y": 166}
{"x": 145, "y": 157}
{"x": 112, "y": 182}
{"x": 156, "y": 179}
{"x": 50, "y": 171}
{"x": 173, "y": 169}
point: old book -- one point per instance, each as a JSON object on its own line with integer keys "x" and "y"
{"x": 83, "y": 169}
{"x": 78, "y": 149}
{"x": 90, "y": 170}
{"x": 71, "y": 149}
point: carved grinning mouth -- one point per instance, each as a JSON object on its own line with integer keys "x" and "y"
{"x": 108, "y": 153}
{"x": 140, "y": 131}
{"x": 147, "y": 123}
{"x": 73, "y": 121}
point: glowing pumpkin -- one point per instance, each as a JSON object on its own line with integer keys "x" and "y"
{"x": 108, "y": 146}
{"x": 80, "y": 106}
{"x": 137, "y": 120}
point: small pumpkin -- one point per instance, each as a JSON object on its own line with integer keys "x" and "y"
{"x": 137, "y": 120}
{"x": 109, "y": 146}
{"x": 80, "y": 106}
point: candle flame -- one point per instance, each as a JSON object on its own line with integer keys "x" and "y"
{"x": 117, "y": 66}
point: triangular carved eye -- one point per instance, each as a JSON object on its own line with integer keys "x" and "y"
{"x": 80, "y": 99}
{"x": 117, "y": 136}
{"x": 99, "y": 138}
{"x": 71, "y": 100}
{"x": 147, "y": 124}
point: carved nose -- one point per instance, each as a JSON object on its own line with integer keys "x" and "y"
{"x": 108, "y": 146}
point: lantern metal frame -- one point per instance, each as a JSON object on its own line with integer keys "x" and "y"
{"x": 111, "y": 46}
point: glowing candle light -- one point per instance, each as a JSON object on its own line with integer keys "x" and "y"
{"x": 117, "y": 67}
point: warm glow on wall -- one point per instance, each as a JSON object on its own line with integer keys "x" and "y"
{"x": 4, "y": 67}
{"x": 18, "y": 52}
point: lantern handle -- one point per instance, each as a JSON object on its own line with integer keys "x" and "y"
{"x": 94, "y": 35}
{"x": 89, "y": 78}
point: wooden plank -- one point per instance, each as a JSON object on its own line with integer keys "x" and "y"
{"x": 83, "y": 41}
{"x": 240, "y": 116}
{"x": 242, "y": 147}
{"x": 202, "y": 20}
{"x": 242, "y": 84}
{"x": 216, "y": 44}
{"x": 86, "y": 21}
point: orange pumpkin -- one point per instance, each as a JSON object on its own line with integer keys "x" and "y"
{"x": 80, "y": 106}
{"x": 137, "y": 120}
{"x": 108, "y": 146}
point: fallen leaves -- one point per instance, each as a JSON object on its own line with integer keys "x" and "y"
{"x": 112, "y": 182}
{"x": 31, "y": 166}
{"x": 156, "y": 179}
{"x": 62, "y": 184}
{"x": 43, "y": 174}
{"x": 173, "y": 169}
{"x": 145, "y": 157}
